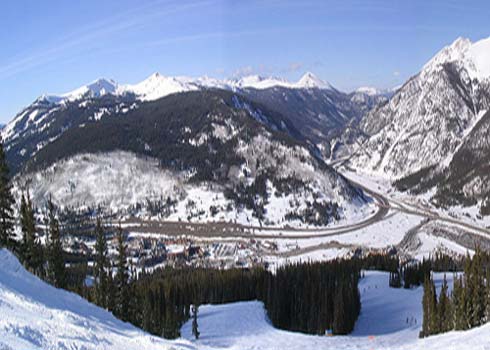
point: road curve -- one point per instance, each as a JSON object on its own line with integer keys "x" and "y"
{"x": 227, "y": 230}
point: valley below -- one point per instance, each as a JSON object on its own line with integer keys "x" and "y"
{"x": 399, "y": 223}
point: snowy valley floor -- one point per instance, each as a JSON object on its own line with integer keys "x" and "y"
{"x": 35, "y": 315}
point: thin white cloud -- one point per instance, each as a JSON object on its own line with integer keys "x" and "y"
{"x": 244, "y": 71}
{"x": 294, "y": 67}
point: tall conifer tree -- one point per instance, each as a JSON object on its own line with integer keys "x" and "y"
{"x": 56, "y": 263}
{"x": 6, "y": 203}
{"x": 445, "y": 308}
{"x": 195, "y": 328}
{"x": 101, "y": 266}
{"x": 122, "y": 276}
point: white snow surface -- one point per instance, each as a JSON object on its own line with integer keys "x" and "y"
{"x": 115, "y": 180}
{"x": 35, "y": 315}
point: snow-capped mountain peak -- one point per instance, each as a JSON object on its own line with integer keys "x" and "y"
{"x": 311, "y": 81}
{"x": 450, "y": 53}
{"x": 157, "y": 86}
{"x": 307, "y": 81}
{"x": 429, "y": 117}
{"x": 102, "y": 86}
{"x": 97, "y": 88}
{"x": 474, "y": 57}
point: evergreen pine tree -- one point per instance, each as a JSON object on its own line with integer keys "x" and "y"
{"x": 111, "y": 289}
{"x": 34, "y": 246}
{"x": 56, "y": 263}
{"x": 6, "y": 203}
{"x": 444, "y": 308}
{"x": 30, "y": 247}
{"x": 425, "y": 309}
{"x": 430, "y": 322}
{"x": 122, "y": 297}
{"x": 456, "y": 299}
{"x": 23, "y": 225}
{"x": 433, "y": 308}
{"x": 339, "y": 313}
{"x": 100, "y": 266}
{"x": 477, "y": 289}
{"x": 487, "y": 295}
{"x": 195, "y": 329}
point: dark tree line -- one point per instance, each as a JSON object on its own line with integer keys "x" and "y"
{"x": 162, "y": 300}
{"x": 314, "y": 297}
{"x": 467, "y": 306}
{"x": 414, "y": 273}
{"x": 309, "y": 298}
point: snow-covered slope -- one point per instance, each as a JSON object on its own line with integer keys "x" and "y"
{"x": 123, "y": 183}
{"x": 114, "y": 180}
{"x": 390, "y": 319}
{"x": 35, "y": 315}
{"x": 426, "y": 120}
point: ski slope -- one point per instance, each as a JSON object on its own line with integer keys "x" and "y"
{"x": 390, "y": 319}
{"x": 35, "y": 315}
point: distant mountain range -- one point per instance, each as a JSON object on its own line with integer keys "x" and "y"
{"x": 314, "y": 107}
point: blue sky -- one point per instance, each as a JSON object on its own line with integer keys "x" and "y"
{"x": 57, "y": 45}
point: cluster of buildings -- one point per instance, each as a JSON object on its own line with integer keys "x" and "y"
{"x": 150, "y": 251}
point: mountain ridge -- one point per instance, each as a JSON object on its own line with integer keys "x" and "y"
{"x": 423, "y": 137}
{"x": 157, "y": 85}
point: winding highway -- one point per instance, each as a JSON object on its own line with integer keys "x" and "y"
{"x": 237, "y": 231}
